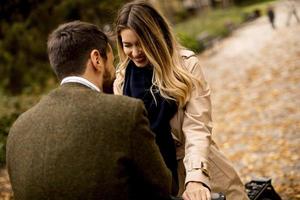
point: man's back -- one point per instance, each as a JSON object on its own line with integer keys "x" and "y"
{"x": 80, "y": 144}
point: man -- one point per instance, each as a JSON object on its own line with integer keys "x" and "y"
{"x": 271, "y": 16}
{"x": 79, "y": 143}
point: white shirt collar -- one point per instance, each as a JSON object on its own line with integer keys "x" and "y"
{"x": 83, "y": 81}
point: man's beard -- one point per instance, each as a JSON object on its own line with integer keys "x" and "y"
{"x": 108, "y": 81}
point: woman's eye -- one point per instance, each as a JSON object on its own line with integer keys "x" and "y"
{"x": 127, "y": 45}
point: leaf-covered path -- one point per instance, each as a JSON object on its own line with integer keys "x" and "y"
{"x": 255, "y": 79}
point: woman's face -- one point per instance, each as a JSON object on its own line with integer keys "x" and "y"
{"x": 132, "y": 48}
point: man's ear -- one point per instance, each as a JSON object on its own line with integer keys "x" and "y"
{"x": 97, "y": 61}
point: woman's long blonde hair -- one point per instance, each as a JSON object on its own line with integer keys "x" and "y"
{"x": 160, "y": 47}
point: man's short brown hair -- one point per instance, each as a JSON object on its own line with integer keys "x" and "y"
{"x": 70, "y": 44}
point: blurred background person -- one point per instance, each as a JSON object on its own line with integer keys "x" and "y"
{"x": 271, "y": 16}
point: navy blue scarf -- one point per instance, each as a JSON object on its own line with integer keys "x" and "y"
{"x": 138, "y": 81}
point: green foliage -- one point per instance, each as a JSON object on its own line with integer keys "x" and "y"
{"x": 23, "y": 36}
{"x": 190, "y": 42}
{"x": 24, "y": 59}
{"x": 214, "y": 23}
{"x": 249, "y": 2}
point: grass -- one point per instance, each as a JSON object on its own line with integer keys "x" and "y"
{"x": 214, "y": 22}
{"x": 209, "y": 21}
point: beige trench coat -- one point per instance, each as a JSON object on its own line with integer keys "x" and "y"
{"x": 199, "y": 158}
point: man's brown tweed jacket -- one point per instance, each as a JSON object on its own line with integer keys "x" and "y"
{"x": 77, "y": 143}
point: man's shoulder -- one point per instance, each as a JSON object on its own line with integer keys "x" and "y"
{"x": 119, "y": 98}
{"x": 24, "y": 120}
{"x": 119, "y": 101}
{"x": 118, "y": 105}
{"x": 81, "y": 95}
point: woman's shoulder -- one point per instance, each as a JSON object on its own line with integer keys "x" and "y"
{"x": 190, "y": 60}
{"x": 186, "y": 53}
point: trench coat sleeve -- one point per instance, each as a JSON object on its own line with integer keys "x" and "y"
{"x": 118, "y": 83}
{"x": 148, "y": 164}
{"x": 197, "y": 127}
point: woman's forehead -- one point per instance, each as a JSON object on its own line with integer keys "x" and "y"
{"x": 129, "y": 36}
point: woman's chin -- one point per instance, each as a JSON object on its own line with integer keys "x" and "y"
{"x": 141, "y": 64}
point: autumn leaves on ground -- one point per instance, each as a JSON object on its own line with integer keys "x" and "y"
{"x": 255, "y": 79}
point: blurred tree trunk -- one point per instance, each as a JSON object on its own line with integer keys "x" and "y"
{"x": 14, "y": 85}
{"x": 221, "y": 3}
{"x": 167, "y": 7}
{"x": 226, "y": 3}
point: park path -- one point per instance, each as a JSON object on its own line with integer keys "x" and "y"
{"x": 255, "y": 79}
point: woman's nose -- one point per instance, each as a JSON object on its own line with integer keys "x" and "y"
{"x": 136, "y": 51}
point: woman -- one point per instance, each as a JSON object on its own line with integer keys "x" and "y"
{"x": 169, "y": 80}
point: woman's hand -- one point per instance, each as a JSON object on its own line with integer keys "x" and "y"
{"x": 196, "y": 191}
